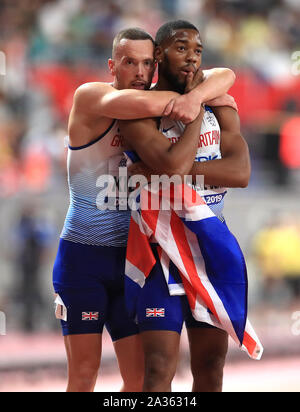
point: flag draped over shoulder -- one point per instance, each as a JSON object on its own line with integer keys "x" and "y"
{"x": 206, "y": 253}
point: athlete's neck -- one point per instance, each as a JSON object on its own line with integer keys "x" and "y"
{"x": 169, "y": 84}
{"x": 163, "y": 84}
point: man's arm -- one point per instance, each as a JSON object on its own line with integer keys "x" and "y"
{"x": 102, "y": 100}
{"x": 234, "y": 169}
{"x": 216, "y": 82}
{"x": 225, "y": 100}
{"x": 156, "y": 151}
{"x": 96, "y": 104}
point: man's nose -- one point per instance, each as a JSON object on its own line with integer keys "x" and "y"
{"x": 140, "y": 71}
{"x": 192, "y": 57}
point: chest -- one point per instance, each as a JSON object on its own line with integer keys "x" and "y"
{"x": 209, "y": 135}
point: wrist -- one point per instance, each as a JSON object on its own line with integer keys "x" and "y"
{"x": 196, "y": 95}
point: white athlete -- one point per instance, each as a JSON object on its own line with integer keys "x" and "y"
{"x": 85, "y": 222}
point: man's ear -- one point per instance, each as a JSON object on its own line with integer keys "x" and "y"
{"x": 158, "y": 54}
{"x": 111, "y": 66}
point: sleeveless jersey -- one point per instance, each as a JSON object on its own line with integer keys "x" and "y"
{"x": 208, "y": 149}
{"x": 85, "y": 222}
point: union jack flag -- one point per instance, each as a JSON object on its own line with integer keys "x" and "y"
{"x": 207, "y": 255}
{"x": 155, "y": 312}
{"x": 90, "y": 315}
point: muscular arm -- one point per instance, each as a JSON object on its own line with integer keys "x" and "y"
{"x": 103, "y": 100}
{"x": 156, "y": 151}
{"x": 234, "y": 169}
{"x": 216, "y": 82}
{"x": 96, "y": 104}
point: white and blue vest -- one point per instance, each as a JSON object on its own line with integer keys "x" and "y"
{"x": 208, "y": 149}
{"x": 85, "y": 222}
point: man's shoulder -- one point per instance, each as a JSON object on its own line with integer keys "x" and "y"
{"x": 88, "y": 99}
{"x": 92, "y": 90}
{"x": 86, "y": 120}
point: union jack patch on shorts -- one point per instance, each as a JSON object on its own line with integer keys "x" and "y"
{"x": 90, "y": 315}
{"x": 155, "y": 312}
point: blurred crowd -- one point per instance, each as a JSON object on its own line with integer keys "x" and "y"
{"x": 235, "y": 31}
{"x": 50, "y": 47}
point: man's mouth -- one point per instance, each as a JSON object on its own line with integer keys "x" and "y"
{"x": 188, "y": 69}
{"x": 139, "y": 85}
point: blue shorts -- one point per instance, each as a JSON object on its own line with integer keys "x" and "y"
{"x": 90, "y": 282}
{"x": 158, "y": 310}
{"x": 191, "y": 322}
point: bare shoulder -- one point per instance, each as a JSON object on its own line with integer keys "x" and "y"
{"x": 87, "y": 101}
{"x": 86, "y": 121}
{"x": 228, "y": 118}
{"x": 88, "y": 93}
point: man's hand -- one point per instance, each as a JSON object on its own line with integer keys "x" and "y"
{"x": 182, "y": 109}
{"x": 186, "y": 108}
{"x": 225, "y": 100}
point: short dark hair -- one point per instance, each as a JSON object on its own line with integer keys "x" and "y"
{"x": 133, "y": 33}
{"x": 166, "y": 30}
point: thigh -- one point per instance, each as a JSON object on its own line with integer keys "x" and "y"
{"x": 191, "y": 322}
{"x": 83, "y": 352}
{"x": 130, "y": 356}
{"x": 85, "y": 266}
{"x": 161, "y": 350}
{"x": 80, "y": 280}
{"x": 156, "y": 309}
{"x": 162, "y": 342}
{"x": 85, "y": 310}
{"x": 206, "y": 343}
{"x": 118, "y": 323}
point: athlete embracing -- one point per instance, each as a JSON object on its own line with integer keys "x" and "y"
{"x": 88, "y": 274}
{"x": 212, "y": 146}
